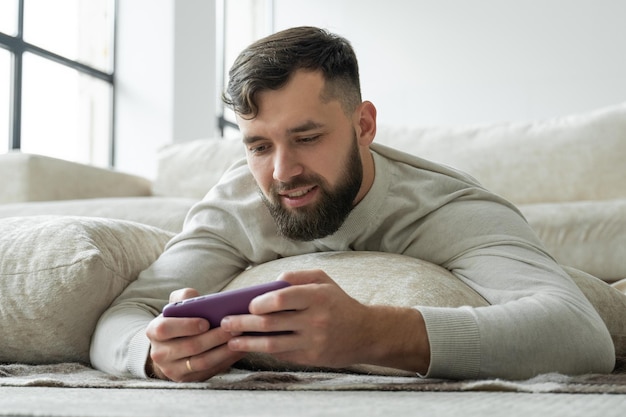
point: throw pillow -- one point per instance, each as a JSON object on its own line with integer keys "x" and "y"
{"x": 57, "y": 276}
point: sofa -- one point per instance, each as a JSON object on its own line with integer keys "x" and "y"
{"x": 74, "y": 236}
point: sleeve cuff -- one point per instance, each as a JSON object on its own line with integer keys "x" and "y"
{"x": 454, "y": 343}
{"x": 138, "y": 352}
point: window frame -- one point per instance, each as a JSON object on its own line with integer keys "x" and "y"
{"x": 17, "y": 46}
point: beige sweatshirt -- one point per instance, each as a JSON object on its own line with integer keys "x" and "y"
{"x": 538, "y": 320}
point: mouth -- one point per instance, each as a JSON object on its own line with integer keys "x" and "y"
{"x": 299, "y": 197}
{"x": 297, "y": 193}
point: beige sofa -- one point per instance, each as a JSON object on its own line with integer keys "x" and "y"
{"x": 567, "y": 175}
{"x": 70, "y": 231}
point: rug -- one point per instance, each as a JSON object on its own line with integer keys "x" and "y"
{"x": 75, "y": 375}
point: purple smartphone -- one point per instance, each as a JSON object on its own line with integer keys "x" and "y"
{"x": 214, "y": 307}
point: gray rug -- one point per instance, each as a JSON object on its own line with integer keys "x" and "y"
{"x": 74, "y": 375}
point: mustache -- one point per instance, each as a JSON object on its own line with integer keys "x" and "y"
{"x": 280, "y": 186}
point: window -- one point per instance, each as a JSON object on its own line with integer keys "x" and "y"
{"x": 5, "y": 94}
{"x": 56, "y": 69}
{"x": 244, "y": 21}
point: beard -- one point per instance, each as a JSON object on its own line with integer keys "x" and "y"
{"x": 326, "y": 216}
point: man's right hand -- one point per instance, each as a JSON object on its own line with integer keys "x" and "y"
{"x": 185, "y": 349}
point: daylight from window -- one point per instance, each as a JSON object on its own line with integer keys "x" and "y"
{"x": 5, "y": 62}
{"x": 65, "y": 113}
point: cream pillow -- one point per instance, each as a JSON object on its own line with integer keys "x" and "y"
{"x": 366, "y": 277}
{"x": 58, "y": 275}
{"x": 375, "y": 278}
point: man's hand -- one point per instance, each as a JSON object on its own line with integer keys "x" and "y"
{"x": 184, "y": 349}
{"x": 329, "y": 328}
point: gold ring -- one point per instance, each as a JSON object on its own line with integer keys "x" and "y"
{"x": 189, "y": 365}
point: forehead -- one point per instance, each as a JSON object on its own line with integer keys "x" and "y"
{"x": 300, "y": 100}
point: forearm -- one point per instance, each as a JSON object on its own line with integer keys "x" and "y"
{"x": 538, "y": 322}
{"x": 397, "y": 339}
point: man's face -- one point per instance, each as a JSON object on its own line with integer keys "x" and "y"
{"x": 305, "y": 156}
{"x": 323, "y": 217}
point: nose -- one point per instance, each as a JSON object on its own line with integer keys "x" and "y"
{"x": 286, "y": 164}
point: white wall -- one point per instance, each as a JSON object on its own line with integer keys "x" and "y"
{"x": 423, "y": 62}
{"x": 165, "y": 77}
{"x": 456, "y": 62}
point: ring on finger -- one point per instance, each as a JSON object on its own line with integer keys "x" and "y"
{"x": 189, "y": 364}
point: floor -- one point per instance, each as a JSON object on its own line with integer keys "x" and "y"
{"x": 41, "y": 401}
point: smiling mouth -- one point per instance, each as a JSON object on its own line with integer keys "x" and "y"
{"x": 298, "y": 193}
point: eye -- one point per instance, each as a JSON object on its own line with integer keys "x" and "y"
{"x": 258, "y": 149}
{"x": 308, "y": 139}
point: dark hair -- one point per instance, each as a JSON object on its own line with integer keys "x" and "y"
{"x": 268, "y": 64}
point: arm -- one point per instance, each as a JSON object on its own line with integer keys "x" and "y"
{"x": 538, "y": 321}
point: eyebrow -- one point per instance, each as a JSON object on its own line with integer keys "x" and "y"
{"x": 304, "y": 127}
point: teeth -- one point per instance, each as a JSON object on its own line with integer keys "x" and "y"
{"x": 298, "y": 193}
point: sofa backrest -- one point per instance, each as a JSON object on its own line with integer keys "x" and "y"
{"x": 573, "y": 158}
{"x": 190, "y": 169}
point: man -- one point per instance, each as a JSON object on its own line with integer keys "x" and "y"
{"x": 313, "y": 181}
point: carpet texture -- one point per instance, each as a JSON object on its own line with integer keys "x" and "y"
{"x": 74, "y": 375}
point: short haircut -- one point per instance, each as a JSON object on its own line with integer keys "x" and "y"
{"x": 269, "y": 63}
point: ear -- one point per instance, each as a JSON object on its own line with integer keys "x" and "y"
{"x": 365, "y": 123}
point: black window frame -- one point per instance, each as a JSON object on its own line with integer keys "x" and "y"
{"x": 17, "y": 47}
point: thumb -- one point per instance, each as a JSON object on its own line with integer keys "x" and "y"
{"x": 183, "y": 294}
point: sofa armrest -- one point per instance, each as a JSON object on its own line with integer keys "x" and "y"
{"x": 28, "y": 177}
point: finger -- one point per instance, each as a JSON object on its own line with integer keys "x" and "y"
{"x": 290, "y": 298}
{"x": 165, "y": 328}
{"x": 168, "y": 353}
{"x": 183, "y": 294}
{"x": 204, "y": 366}
{"x": 274, "y": 323}
{"x": 307, "y": 276}
{"x": 276, "y": 344}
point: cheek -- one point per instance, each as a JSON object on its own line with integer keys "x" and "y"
{"x": 262, "y": 174}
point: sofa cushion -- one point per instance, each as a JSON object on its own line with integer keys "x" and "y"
{"x": 577, "y": 157}
{"x": 365, "y": 276}
{"x": 58, "y": 275}
{"x": 167, "y": 213}
{"x": 587, "y": 235}
{"x": 27, "y": 177}
{"x": 190, "y": 169}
